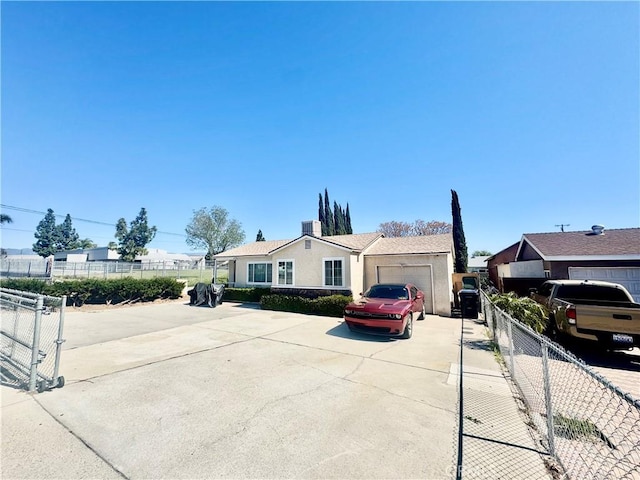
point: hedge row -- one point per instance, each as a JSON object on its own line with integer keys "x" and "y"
{"x": 329, "y": 306}
{"x": 130, "y": 290}
{"x": 244, "y": 294}
{"x": 94, "y": 291}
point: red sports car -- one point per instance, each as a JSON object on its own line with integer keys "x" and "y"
{"x": 386, "y": 309}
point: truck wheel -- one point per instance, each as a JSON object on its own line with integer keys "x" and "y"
{"x": 552, "y": 330}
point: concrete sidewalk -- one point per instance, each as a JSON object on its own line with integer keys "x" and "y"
{"x": 172, "y": 391}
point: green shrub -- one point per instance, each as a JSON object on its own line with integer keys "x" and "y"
{"x": 245, "y": 294}
{"x": 94, "y": 291}
{"x": 330, "y": 306}
{"x": 32, "y": 285}
{"x": 524, "y": 309}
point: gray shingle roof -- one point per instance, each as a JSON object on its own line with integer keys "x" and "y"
{"x": 623, "y": 241}
{"x": 356, "y": 242}
{"x": 255, "y": 248}
{"x": 412, "y": 245}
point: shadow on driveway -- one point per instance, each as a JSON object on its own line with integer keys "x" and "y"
{"x": 341, "y": 330}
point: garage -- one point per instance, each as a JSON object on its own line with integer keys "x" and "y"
{"x": 629, "y": 277}
{"x": 420, "y": 275}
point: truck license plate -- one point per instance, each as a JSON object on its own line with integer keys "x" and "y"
{"x": 622, "y": 338}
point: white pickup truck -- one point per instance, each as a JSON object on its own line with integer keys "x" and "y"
{"x": 591, "y": 310}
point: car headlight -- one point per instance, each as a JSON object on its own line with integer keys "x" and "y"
{"x": 348, "y": 312}
{"x": 397, "y": 316}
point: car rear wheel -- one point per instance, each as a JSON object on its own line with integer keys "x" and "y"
{"x": 408, "y": 330}
{"x": 422, "y": 313}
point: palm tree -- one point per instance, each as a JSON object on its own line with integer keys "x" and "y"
{"x": 5, "y": 218}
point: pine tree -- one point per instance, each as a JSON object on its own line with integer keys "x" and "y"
{"x": 132, "y": 240}
{"x": 67, "y": 237}
{"x": 46, "y": 235}
{"x": 328, "y": 215}
{"x": 321, "y": 217}
{"x": 260, "y": 237}
{"x": 459, "y": 242}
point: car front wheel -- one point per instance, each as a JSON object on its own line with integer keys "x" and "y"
{"x": 408, "y": 330}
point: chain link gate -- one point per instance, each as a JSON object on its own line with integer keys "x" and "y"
{"x": 587, "y": 424}
{"x": 31, "y": 339}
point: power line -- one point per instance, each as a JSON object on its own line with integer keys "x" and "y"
{"x": 95, "y": 222}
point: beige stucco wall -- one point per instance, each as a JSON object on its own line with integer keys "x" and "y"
{"x": 441, "y": 267}
{"x": 308, "y": 265}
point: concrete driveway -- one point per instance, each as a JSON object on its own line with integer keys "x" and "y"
{"x": 172, "y": 391}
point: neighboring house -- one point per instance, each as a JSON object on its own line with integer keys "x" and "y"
{"x": 346, "y": 264}
{"x": 503, "y": 257}
{"x": 103, "y": 254}
{"x": 611, "y": 255}
{"x": 157, "y": 256}
{"x": 477, "y": 264}
{"x": 79, "y": 255}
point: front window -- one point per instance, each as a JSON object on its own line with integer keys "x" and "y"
{"x": 285, "y": 272}
{"x": 333, "y": 272}
{"x": 260, "y": 273}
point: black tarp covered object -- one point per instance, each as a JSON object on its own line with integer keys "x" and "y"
{"x": 206, "y": 294}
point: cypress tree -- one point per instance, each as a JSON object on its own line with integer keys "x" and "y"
{"x": 321, "y": 216}
{"x": 459, "y": 242}
{"x": 348, "y": 221}
{"x": 328, "y": 215}
{"x": 338, "y": 218}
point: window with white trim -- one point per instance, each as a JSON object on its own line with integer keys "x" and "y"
{"x": 333, "y": 272}
{"x": 285, "y": 272}
{"x": 259, "y": 272}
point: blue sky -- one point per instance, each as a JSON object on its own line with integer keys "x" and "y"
{"x": 530, "y": 111}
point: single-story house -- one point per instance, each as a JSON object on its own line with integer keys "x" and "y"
{"x": 611, "y": 255}
{"x": 347, "y": 264}
{"x": 477, "y": 264}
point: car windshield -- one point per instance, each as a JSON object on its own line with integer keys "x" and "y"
{"x": 388, "y": 291}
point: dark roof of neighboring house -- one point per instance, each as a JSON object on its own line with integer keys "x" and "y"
{"x": 614, "y": 242}
{"x": 355, "y": 242}
{"x": 503, "y": 251}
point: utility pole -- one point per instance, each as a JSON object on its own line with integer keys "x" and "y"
{"x": 562, "y": 225}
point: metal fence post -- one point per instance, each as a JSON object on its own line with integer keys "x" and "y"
{"x": 547, "y": 398}
{"x": 59, "y": 340}
{"x": 33, "y": 372}
{"x": 510, "y": 335}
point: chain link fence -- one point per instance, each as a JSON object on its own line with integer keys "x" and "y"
{"x": 588, "y": 425}
{"x": 31, "y": 339}
{"x": 193, "y": 271}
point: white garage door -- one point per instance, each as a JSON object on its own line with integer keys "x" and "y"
{"x": 419, "y": 275}
{"x": 627, "y": 276}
